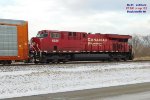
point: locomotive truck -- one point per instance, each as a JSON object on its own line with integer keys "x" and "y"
{"x": 59, "y": 46}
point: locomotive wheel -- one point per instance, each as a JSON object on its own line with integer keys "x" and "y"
{"x": 118, "y": 59}
{"x": 124, "y": 59}
{"x": 64, "y": 62}
{"x": 110, "y": 59}
{"x": 6, "y": 62}
{"x": 58, "y": 62}
{"x": 3, "y": 63}
{"x": 9, "y": 62}
{"x": 36, "y": 62}
{"x": 55, "y": 61}
{"x": 47, "y": 61}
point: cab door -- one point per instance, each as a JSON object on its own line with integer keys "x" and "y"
{"x": 55, "y": 38}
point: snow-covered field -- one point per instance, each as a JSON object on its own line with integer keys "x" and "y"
{"x": 27, "y": 80}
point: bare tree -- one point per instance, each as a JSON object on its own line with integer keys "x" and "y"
{"x": 141, "y": 45}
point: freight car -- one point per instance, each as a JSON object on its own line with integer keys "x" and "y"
{"x": 62, "y": 46}
{"x": 13, "y": 40}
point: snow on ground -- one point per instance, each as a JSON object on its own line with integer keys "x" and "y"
{"x": 27, "y": 80}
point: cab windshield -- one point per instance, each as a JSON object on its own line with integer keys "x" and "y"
{"x": 41, "y": 35}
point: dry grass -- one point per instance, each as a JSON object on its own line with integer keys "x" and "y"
{"x": 142, "y": 58}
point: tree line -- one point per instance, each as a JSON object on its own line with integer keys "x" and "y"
{"x": 141, "y": 45}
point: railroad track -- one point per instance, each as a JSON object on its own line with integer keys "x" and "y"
{"x": 73, "y": 62}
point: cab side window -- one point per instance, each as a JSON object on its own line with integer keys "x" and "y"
{"x": 55, "y": 35}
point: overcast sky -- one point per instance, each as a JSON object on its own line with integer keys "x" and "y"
{"x": 103, "y": 16}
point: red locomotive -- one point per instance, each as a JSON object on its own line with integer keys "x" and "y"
{"x": 61, "y": 46}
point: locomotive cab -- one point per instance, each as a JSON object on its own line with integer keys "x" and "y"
{"x": 46, "y": 41}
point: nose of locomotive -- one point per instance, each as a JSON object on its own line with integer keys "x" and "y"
{"x": 35, "y": 44}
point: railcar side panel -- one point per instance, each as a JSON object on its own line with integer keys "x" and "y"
{"x": 14, "y": 39}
